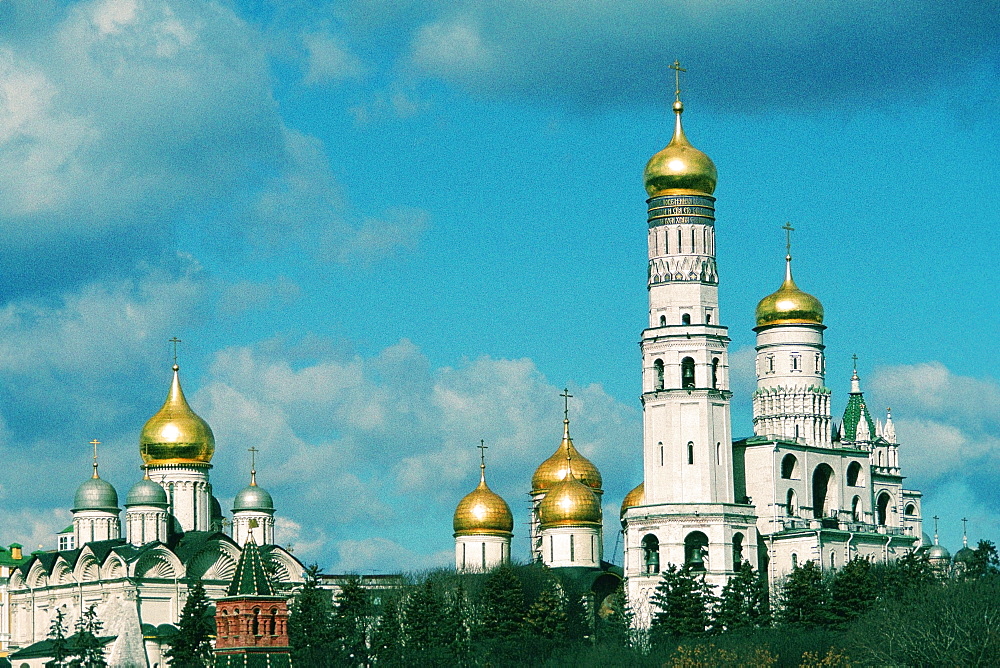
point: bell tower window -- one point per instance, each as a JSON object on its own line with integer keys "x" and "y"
{"x": 658, "y": 375}
{"x": 686, "y": 319}
{"x": 687, "y": 373}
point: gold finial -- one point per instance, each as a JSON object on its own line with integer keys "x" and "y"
{"x": 787, "y": 227}
{"x": 174, "y": 340}
{"x": 566, "y": 397}
{"x": 95, "y": 443}
{"x": 855, "y": 358}
{"x": 676, "y": 67}
{"x": 482, "y": 459}
{"x": 253, "y": 465}
{"x": 145, "y": 469}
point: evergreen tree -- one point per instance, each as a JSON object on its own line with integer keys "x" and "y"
{"x": 805, "y": 598}
{"x": 985, "y": 560}
{"x": 387, "y": 638}
{"x": 853, "y": 590}
{"x": 192, "y": 645}
{"x": 350, "y": 624}
{"x": 615, "y": 619}
{"x": 743, "y": 601}
{"x": 546, "y": 617}
{"x": 457, "y": 623}
{"x": 681, "y": 604}
{"x": 502, "y": 604}
{"x": 88, "y": 651}
{"x": 57, "y": 634}
{"x": 310, "y": 623}
{"x": 426, "y": 631}
{"x": 903, "y": 577}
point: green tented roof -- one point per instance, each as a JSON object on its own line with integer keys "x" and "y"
{"x": 855, "y": 411}
{"x": 251, "y": 578}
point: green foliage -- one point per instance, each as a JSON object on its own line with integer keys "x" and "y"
{"x": 426, "y": 630}
{"x": 310, "y": 623}
{"x": 853, "y": 590}
{"x": 681, "y": 603}
{"x": 387, "y": 638}
{"x": 57, "y": 634}
{"x": 349, "y": 624}
{"x": 903, "y": 577}
{"x": 615, "y": 620}
{"x": 88, "y": 651}
{"x": 547, "y": 615}
{"x": 192, "y": 645}
{"x": 985, "y": 560}
{"x": 502, "y": 602}
{"x": 805, "y": 597}
{"x": 743, "y": 602}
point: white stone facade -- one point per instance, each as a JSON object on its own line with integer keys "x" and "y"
{"x": 188, "y": 492}
{"x": 481, "y": 553}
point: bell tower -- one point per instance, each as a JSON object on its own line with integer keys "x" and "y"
{"x": 688, "y": 515}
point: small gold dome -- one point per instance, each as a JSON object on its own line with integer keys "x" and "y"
{"x": 176, "y": 435}
{"x": 636, "y": 497}
{"x": 789, "y": 305}
{"x": 680, "y": 166}
{"x": 569, "y": 503}
{"x": 483, "y": 511}
{"x": 554, "y": 469}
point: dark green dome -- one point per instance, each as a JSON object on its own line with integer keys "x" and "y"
{"x": 965, "y": 555}
{"x": 96, "y": 494}
{"x": 146, "y": 493}
{"x": 253, "y": 497}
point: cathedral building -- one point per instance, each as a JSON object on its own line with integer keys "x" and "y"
{"x": 173, "y": 533}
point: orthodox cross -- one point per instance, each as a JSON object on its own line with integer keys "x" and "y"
{"x": 95, "y": 443}
{"x": 676, "y": 67}
{"x": 175, "y": 341}
{"x": 964, "y": 520}
{"x": 935, "y": 518}
{"x": 787, "y": 227}
{"x": 855, "y": 358}
{"x": 566, "y": 397}
{"x": 482, "y": 453}
{"x": 253, "y": 456}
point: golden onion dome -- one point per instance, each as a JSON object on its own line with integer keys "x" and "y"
{"x": 680, "y": 167}
{"x": 554, "y": 469}
{"x": 569, "y": 503}
{"x": 176, "y": 435}
{"x": 636, "y": 497}
{"x": 789, "y": 305}
{"x": 483, "y": 511}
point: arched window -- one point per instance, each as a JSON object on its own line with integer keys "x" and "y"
{"x": 795, "y": 560}
{"x": 255, "y": 623}
{"x": 696, "y": 551}
{"x": 856, "y": 509}
{"x": 910, "y": 509}
{"x": 833, "y": 560}
{"x": 690, "y": 452}
{"x": 272, "y": 622}
{"x": 651, "y": 554}
{"x": 821, "y": 489}
{"x": 663, "y": 321}
{"x": 737, "y": 551}
{"x": 661, "y": 454}
{"x": 658, "y": 374}
{"x": 715, "y": 372}
{"x": 791, "y": 505}
{"x": 853, "y": 474}
{"x": 687, "y": 373}
{"x": 882, "y": 508}
{"x": 708, "y": 318}
{"x": 686, "y": 319}
{"x": 789, "y": 467}
{"x": 718, "y": 453}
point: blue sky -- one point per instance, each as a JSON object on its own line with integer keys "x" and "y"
{"x": 385, "y": 230}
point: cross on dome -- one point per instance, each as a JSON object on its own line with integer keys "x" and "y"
{"x": 95, "y": 443}
{"x": 676, "y": 67}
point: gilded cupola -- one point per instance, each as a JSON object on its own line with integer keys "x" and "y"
{"x": 789, "y": 305}
{"x": 483, "y": 511}
{"x": 569, "y": 503}
{"x": 176, "y": 434}
{"x": 680, "y": 167}
{"x": 555, "y": 469}
{"x": 636, "y": 497}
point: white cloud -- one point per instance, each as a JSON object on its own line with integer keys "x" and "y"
{"x": 328, "y": 58}
{"x": 385, "y": 556}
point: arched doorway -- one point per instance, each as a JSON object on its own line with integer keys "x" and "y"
{"x": 882, "y": 508}
{"x": 821, "y": 490}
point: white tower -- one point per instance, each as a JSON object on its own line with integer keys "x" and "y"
{"x": 688, "y": 515}
{"x": 791, "y": 402}
{"x": 253, "y": 511}
{"x": 177, "y": 447}
{"x": 95, "y": 509}
{"x": 483, "y": 527}
{"x": 146, "y": 513}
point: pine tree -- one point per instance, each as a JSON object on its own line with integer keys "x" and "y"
{"x": 615, "y": 619}
{"x": 387, "y": 638}
{"x": 985, "y": 560}
{"x": 192, "y": 645}
{"x": 681, "y": 602}
{"x": 424, "y": 621}
{"x": 457, "y": 623}
{"x": 310, "y": 623}
{"x": 743, "y": 602}
{"x": 503, "y": 604}
{"x": 88, "y": 650}
{"x": 853, "y": 590}
{"x": 350, "y": 624}
{"x": 546, "y": 617}
{"x": 805, "y": 598}
{"x": 57, "y": 634}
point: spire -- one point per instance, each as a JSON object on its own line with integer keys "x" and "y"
{"x": 95, "y": 443}
{"x": 936, "y": 529}
{"x": 965, "y": 537}
{"x": 253, "y": 465}
{"x": 789, "y": 305}
{"x": 482, "y": 461}
{"x": 251, "y": 578}
{"x": 855, "y": 381}
{"x": 889, "y": 430}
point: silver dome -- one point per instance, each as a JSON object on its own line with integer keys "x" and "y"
{"x": 96, "y": 494}
{"x": 146, "y": 493}
{"x": 253, "y": 497}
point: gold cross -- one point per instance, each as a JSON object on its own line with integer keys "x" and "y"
{"x": 95, "y": 443}
{"x": 566, "y": 397}
{"x": 787, "y": 227}
{"x": 482, "y": 453}
{"x": 676, "y": 67}
{"x": 175, "y": 341}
